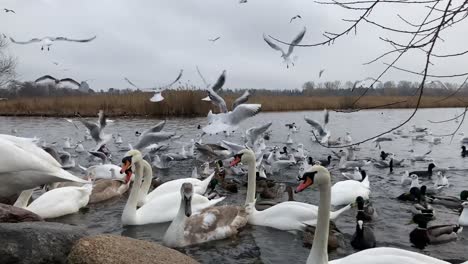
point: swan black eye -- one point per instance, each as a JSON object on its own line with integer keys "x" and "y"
{"x": 127, "y": 159}
{"x": 306, "y": 175}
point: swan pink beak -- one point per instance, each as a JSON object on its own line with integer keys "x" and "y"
{"x": 304, "y": 185}
{"x": 235, "y": 161}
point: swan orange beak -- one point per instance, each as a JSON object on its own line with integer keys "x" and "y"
{"x": 126, "y": 164}
{"x": 128, "y": 175}
{"x": 236, "y": 161}
{"x": 308, "y": 182}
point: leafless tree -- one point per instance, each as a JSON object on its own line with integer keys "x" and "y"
{"x": 423, "y": 36}
{"x": 7, "y": 64}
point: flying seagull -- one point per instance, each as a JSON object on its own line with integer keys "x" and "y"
{"x": 242, "y": 99}
{"x": 57, "y": 81}
{"x": 212, "y": 91}
{"x": 242, "y": 1}
{"x": 321, "y": 72}
{"x": 294, "y": 17}
{"x": 157, "y": 97}
{"x": 215, "y": 39}
{"x": 48, "y": 41}
{"x": 56, "y": 63}
{"x": 286, "y": 56}
{"x": 362, "y": 83}
{"x": 9, "y": 10}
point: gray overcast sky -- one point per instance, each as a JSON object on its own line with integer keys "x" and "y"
{"x": 149, "y": 41}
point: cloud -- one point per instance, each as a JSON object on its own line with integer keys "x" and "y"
{"x": 150, "y": 41}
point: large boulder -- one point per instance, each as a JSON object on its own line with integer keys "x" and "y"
{"x": 37, "y": 242}
{"x": 111, "y": 249}
{"x": 12, "y": 214}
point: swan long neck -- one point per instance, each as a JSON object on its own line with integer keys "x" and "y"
{"x": 175, "y": 232}
{"x": 319, "y": 253}
{"x": 251, "y": 183}
{"x": 130, "y": 209}
{"x": 23, "y": 199}
{"x": 145, "y": 186}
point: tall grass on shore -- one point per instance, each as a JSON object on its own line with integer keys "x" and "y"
{"x": 188, "y": 103}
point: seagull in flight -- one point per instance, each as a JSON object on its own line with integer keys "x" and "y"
{"x": 294, "y": 17}
{"x": 242, "y": 1}
{"x": 284, "y": 55}
{"x": 321, "y": 72}
{"x": 157, "y": 97}
{"x": 57, "y": 81}
{"x": 214, "y": 40}
{"x": 48, "y": 41}
{"x": 9, "y": 10}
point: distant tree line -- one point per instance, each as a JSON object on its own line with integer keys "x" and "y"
{"x": 16, "y": 89}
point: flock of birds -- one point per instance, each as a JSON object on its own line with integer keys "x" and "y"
{"x": 31, "y": 166}
{"x": 191, "y": 203}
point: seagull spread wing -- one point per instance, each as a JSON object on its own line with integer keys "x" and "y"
{"x": 152, "y": 138}
{"x": 315, "y": 125}
{"x": 102, "y": 119}
{"x": 218, "y": 100}
{"x": 254, "y": 132}
{"x": 70, "y": 80}
{"x": 242, "y": 99}
{"x": 273, "y": 45}
{"x": 74, "y": 40}
{"x": 243, "y": 112}
{"x": 131, "y": 83}
{"x": 296, "y": 41}
{"x": 201, "y": 77}
{"x": 157, "y": 128}
{"x": 220, "y": 82}
{"x": 46, "y": 77}
{"x": 26, "y": 42}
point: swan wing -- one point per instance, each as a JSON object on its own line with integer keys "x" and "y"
{"x": 386, "y": 255}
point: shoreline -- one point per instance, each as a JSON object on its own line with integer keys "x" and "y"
{"x": 188, "y": 104}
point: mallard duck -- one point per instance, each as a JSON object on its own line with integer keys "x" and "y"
{"x": 335, "y": 237}
{"x": 365, "y": 212}
{"x": 422, "y": 235}
{"x": 412, "y": 195}
{"x": 426, "y": 173}
{"x": 449, "y": 201}
{"x": 363, "y": 237}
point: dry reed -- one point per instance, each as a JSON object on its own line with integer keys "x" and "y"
{"x": 188, "y": 103}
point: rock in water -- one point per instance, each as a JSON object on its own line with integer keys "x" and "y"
{"x": 11, "y": 214}
{"x": 37, "y": 242}
{"x": 111, "y": 249}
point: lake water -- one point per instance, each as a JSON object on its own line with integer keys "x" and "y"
{"x": 257, "y": 244}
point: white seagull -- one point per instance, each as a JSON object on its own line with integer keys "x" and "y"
{"x": 284, "y": 55}
{"x": 48, "y": 41}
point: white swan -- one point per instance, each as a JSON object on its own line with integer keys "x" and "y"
{"x": 26, "y": 166}
{"x": 345, "y": 164}
{"x": 463, "y": 220}
{"x": 320, "y": 176}
{"x": 284, "y": 216}
{"x": 210, "y": 224}
{"x": 159, "y": 210}
{"x": 346, "y": 192}
{"x": 172, "y": 187}
{"x": 57, "y": 202}
{"x": 355, "y": 175}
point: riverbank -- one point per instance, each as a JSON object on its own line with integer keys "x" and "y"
{"x": 189, "y": 104}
